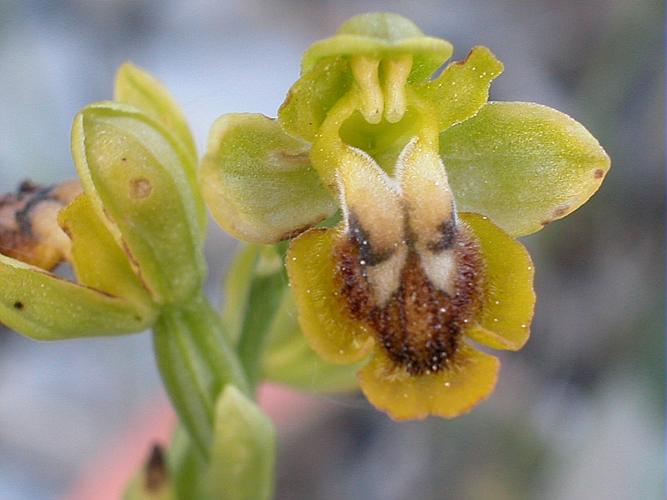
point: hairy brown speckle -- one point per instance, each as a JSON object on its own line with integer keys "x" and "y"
{"x": 419, "y": 327}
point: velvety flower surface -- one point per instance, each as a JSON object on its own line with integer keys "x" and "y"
{"x": 433, "y": 183}
{"x": 410, "y": 281}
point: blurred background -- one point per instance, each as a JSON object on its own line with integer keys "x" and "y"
{"x": 578, "y": 413}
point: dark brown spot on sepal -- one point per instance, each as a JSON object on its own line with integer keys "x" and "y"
{"x": 561, "y": 211}
{"x": 18, "y": 305}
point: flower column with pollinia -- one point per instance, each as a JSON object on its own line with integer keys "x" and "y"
{"x": 432, "y": 184}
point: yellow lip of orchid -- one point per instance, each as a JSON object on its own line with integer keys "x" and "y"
{"x": 406, "y": 278}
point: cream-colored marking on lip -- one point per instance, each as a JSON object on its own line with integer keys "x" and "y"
{"x": 425, "y": 189}
{"x": 441, "y": 269}
{"x": 385, "y": 278}
{"x": 368, "y": 192}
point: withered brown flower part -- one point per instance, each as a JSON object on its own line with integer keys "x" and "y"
{"x": 29, "y": 229}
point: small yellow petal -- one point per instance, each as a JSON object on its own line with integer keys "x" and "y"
{"x": 448, "y": 393}
{"x": 323, "y": 317}
{"x": 509, "y": 298}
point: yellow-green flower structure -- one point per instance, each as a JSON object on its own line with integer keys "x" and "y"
{"x": 433, "y": 184}
{"x": 133, "y": 231}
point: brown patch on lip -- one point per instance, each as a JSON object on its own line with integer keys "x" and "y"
{"x": 420, "y": 327}
{"x": 598, "y": 174}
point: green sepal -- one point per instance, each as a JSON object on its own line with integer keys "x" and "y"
{"x": 462, "y": 88}
{"x": 313, "y": 95}
{"x": 142, "y": 90}
{"x": 382, "y": 34}
{"x": 196, "y": 362}
{"x": 135, "y": 174}
{"x": 97, "y": 259}
{"x": 43, "y": 306}
{"x": 258, "y": 181}
{"x": 244, "y": 449}
{"x": 522, "y": 164}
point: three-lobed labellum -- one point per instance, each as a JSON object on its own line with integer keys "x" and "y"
{"x": 407, "y": 267}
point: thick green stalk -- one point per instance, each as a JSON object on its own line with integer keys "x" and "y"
{"x": 196, "y": 363}
{"x": 264, "y": 298}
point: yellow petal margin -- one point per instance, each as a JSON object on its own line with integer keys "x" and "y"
{"x": 509, "y": 298}
{"x": 448, "y": 393}
{"x": 330, "y": 331}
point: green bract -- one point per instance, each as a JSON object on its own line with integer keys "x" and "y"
{"x": 135, "y": 175}
{"x": 138, "y": 88}
{"x": 136, "y": 232}
{"x": 243, "y": 451}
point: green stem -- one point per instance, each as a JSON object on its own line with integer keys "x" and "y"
{"x": 196, "y": 362}
{"x": 264, "y": 299}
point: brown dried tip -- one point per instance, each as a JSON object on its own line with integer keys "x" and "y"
{"x": 29, "y": 229}
{"x": 157, "y": 474}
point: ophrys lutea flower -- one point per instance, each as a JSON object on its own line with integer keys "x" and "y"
{"x": 408, "y": 279}
{"x": 434, "y": 183}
